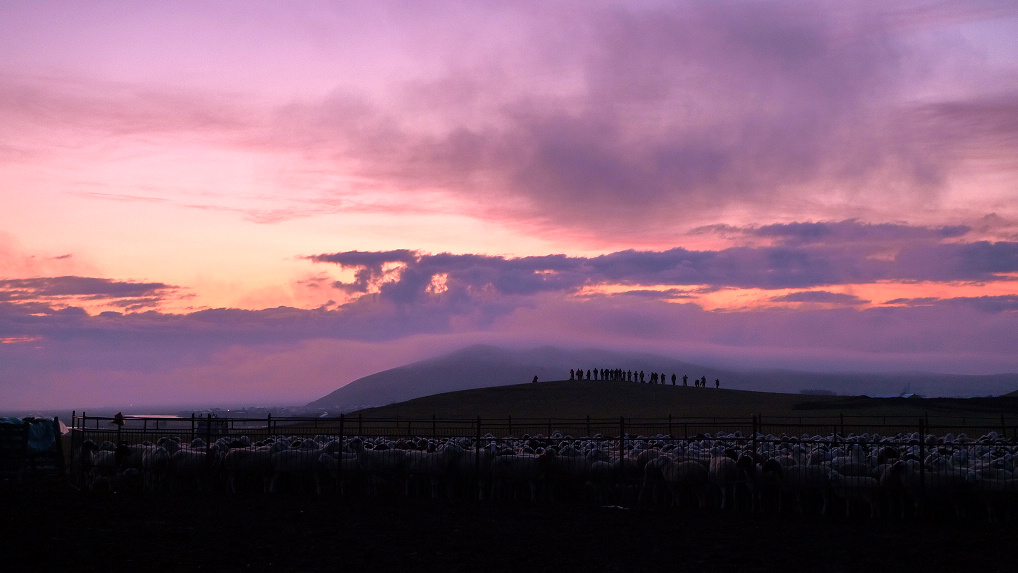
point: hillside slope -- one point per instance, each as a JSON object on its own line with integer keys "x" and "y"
{"x": 578, "y": 399}
{"x": 482, "y": 366}
{"x": 487, "y": 366}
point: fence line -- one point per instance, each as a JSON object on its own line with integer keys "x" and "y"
{"x": 210, "y": 427}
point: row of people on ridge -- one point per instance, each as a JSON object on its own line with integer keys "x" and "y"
{"x": 619, "y": 375}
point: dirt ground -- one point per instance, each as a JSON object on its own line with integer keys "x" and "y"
{"x": 65, "y": 530}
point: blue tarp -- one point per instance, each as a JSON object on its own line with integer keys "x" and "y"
{"x": 41, "y": 435}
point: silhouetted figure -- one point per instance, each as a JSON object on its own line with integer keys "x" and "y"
{"x": 703, "y": 382}
{"x": 572, "y": 374}
{"x": 641, "y": 376}
{"x": 535, "y": 380}
{"x": 588, "y": 374}
{"x": 118, "y": 419}
{"x": 717, "y": 382}
{"x": 685, "y": 380}
{"x": 673, "y": 379}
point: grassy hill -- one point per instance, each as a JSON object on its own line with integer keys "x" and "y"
{"x": 577, "y": 399}
{"x": 483, "y": 366}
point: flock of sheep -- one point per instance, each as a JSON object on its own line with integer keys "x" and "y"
{"x": 868, "y": 474}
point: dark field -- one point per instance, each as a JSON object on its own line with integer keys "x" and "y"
{"x": 69, "y": 531}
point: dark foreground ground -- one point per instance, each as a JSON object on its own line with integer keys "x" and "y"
{"x": 68, "y": 531}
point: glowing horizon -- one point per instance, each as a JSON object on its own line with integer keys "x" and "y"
{"x": 282, "y": 183}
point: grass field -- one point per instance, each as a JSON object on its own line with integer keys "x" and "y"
{"x": 578, "y": 399}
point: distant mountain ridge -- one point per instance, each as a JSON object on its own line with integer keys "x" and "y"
{"x": 484, "y": 366}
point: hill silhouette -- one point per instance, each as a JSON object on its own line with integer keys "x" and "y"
{"x": 483, "y": 366}
{"x": 605, "y": 400}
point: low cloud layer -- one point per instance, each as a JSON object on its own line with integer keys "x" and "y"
{"x": 640, "y": 300}
{"x": 806, "y": 255}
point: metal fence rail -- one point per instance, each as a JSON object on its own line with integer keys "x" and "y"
{"x": 609, "y": 460}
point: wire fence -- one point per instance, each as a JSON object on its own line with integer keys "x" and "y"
{"x": 884, "y": 465}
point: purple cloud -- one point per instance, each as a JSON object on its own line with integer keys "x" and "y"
{"x": 369, "y": 265}
{"x": 819, "y": 296}
{"x": 86, "y": 288}
{"x": 852, "y": 231}
{"x": 811, "y": 256}
{"x": 989, "y": 304}
{"x": 679, "y": 112}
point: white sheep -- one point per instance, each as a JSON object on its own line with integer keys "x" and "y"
{"x": 383, "y": 469}
{"x": 251, "y": 468}
{"x": 295, "y": 468}
{"x": 686, "y": 479}
{"x": 724, "y": 474}
{"x": 339, "y": 468}
{"x": 805, "y": 482}
{"x": 568, "y": 471}
{"x": 432, "y": 468}
{"x": 852, "y": 488}
{"x": 193, "y": 468}
{"x": 155, "y": 464}
{"x": 511, "y": 472}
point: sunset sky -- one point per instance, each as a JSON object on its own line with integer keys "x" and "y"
{"x": 252, "y": 202}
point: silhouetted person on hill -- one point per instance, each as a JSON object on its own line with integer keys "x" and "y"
{"x": 641, "y": 376}
{"x": 685, "y": 380}
{"x": 673, "y": 379}
{"x": 703, "y": 382}
{"x": 535, "y": 380}
{"x": 588, "y": 374}
{"x": 572, "y": 374}
{"x": 717, "y": 382}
